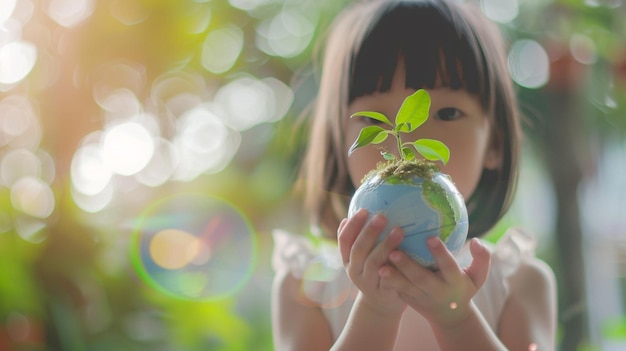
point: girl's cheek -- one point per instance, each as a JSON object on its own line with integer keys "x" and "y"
{"x": 466, "y": 181}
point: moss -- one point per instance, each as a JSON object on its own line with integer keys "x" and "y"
{"x": 401, "y": 171}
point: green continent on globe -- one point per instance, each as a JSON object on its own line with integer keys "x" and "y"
{"x": 436, "y": 197}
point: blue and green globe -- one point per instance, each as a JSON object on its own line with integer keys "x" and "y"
{"x": 422, "y": 206}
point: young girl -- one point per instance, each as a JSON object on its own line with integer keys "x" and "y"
{"x": 367, "y": 295}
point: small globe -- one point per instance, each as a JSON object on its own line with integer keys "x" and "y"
{"x": 421, "y": 207}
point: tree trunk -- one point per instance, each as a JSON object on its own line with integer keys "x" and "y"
{"x": 562, "y": 142}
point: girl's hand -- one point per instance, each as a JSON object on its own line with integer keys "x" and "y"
{"x": 443, "y": 297}
{"x": 366, "y": 261}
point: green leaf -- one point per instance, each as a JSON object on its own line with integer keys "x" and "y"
{"x": 408, "y": 153}
{"x": 404, "y": 127}
{"x": 381, "y": 137}
{"x": 373, "y": 115}
{"x": 432, "y": 150}
{"x": 366, "y": 137}
{"x": 413, "y": 112}
{"x": 387, "y": 156}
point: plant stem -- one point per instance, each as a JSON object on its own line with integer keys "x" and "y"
{"x": 399, "y": 142}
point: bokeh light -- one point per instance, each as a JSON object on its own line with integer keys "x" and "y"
{"x": 248, "y": 101}
{"x": 129, "y": 12}
{"x": 612, "y": 4}
{"x": 204, "y": 144}
{"x": 199, "y": 17}
{"x": 127, "y": 148}
{"x": 184, "y": 137}
{"x": 529, "y": 64}
{"x": 161, "y": 166}
{"x": 17, "y": 59}
{"x": 194, "y": 247}
{"x": 172, "y": 85}
{"x": 10, "y": 31}
{"x": 120, "y": 104}
{"x": 221, "y": 49}
{"x": 93, "y": 202}
{"x": 248, "y": 4}
{"x": 33, "y": 197}
{"x": 17, "y": 164}
{"x": 31, "y": 229}
{"x": 583, "y": 49}
{"x": 6, "y": 9}
{"x": 118, "y": 80}
{"x": 502, "y": 11}
{"x": 69, "y": 13}
{"x": 18, "y": 122}
{"x": 89, "y": 173}
{"x": 288, "y": 33}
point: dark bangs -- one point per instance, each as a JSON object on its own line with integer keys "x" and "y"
{"x": 436, "y": 47}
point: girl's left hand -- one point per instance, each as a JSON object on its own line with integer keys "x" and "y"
{"x": 365, "y": 257}
{"x": 443, "y": 297}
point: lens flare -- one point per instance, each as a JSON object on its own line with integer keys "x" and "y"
{"x": 194, "y": 247}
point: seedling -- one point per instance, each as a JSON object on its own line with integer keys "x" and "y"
{"x": 412, "y": 114}
{"x": 409, "y": 190}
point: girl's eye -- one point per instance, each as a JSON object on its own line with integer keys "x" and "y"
{"x": 448, "y": 114}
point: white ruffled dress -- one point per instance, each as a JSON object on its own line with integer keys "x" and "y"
{"x": 325, "y": 282}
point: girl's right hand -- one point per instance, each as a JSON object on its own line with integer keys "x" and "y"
{"x": 366, "y": 260}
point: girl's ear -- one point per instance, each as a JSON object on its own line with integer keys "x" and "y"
{"x": 494, "y": 153}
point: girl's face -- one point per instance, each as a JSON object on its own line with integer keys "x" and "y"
{"x": 456, "y": 118}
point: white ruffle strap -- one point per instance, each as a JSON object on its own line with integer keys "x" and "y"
{"x": 291, "y": 253}
{"x": 317, "y": 264}
{"x": 513, "y": 248}
{"x": 507, "y": 254}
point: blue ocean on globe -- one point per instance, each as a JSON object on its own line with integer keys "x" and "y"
{"x": 406, "y": 204}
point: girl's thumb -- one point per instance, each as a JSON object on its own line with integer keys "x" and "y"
{"x": 479, "y": 269}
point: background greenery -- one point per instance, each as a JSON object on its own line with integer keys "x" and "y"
{"x": 186, "y": 81}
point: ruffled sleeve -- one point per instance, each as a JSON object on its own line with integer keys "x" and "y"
{"x": 303, "y": 257}
{"x": 515, "y": 246}
{"x": 291, "y": 253}
{"x": 317, "y": 264}
{"x": 512, "y": 249}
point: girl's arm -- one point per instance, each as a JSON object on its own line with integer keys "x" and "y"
{"x": 444, "y": 297}
{"x": 528, "y": 321}
{"x": 375, "y": 317}
{"x": 300, "y": 326}
{"x": 297, "y": 324}
{"x": 368, "y": 329}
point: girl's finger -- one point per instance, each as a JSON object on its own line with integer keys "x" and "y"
{"x": 481, "y": 258}
{"x": 380, "y": 254}
{"x": 366, "y": 241}
{"x": 446, "y": 263}
{"x": 341, "y": 225}
{"x": 392, "y": 278}
{"x": 348, "y": 231}
{"x": 418, "y": 276}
